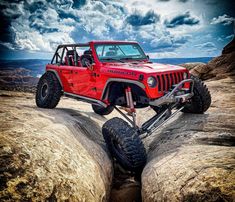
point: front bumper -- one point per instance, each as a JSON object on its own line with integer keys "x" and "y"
{"x": 177, "y": 94}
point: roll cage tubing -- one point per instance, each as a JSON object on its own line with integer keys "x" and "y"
{"x": 92, "y": 47}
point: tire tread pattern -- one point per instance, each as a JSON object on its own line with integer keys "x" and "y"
{"x": 201, "y": 100}
{"x": 55, "y": 91}
{"x": 129, "y": 141}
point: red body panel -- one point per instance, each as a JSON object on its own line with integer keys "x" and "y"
{"x": 91, "y": 83}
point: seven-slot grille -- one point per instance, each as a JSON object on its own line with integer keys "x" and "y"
{"x": 165, "y": 81}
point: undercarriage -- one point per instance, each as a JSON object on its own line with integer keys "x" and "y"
{"x": 169, "y": 105}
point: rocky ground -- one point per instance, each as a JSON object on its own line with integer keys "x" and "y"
{"x": 59, "y": 154}
{"x": 51, "y": 154}
{"x": 193, "y": 157}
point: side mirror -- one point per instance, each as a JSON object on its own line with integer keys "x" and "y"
{"x": 147, "y": 57}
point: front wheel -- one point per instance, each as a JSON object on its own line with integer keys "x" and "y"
{"x": 201, "y": 100}
{"x": 102, "y": 110}
{"x": 124, "y": 144}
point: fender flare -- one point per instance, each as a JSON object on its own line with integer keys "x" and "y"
{"x": 56, "y": 74}
{"x": 107, "y": 85}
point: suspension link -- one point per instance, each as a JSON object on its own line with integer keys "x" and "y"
{"x": 130, "y": 105}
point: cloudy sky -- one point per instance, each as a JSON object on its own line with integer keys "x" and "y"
{"x": 164, "y": 28}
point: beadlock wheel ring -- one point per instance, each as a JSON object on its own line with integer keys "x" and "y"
{"x": 44, "y": 90}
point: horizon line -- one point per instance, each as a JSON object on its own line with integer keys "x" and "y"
{"x": 150, "y": 58}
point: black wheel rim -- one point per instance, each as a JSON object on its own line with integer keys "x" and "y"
{"x": 44, "y": 90}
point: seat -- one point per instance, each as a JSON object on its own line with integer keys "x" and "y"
{"x": 87, "y": 52}
{"x": 69, "y": 58}
{"x": 86, "y": 59}
{"x": 69, "y": 61}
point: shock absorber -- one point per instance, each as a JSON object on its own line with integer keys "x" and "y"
{"x": 130, "y": 104}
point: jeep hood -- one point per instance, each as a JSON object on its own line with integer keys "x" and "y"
{"x": 145, "y": 67}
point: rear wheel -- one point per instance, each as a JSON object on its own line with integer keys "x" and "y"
{"x": 124, "y": 144}
{"x": 201, "y": 99}
{"x": 102, "y": 110}
{"x": 48, "y": 91}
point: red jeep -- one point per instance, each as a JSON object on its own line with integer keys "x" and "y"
{"x": 108, "y": 74}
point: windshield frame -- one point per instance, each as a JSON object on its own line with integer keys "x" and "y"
{"x": 116, "y": 59}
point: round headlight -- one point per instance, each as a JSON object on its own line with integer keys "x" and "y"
{"x": 185, "y": 75}
{"x": 152, "y": 82}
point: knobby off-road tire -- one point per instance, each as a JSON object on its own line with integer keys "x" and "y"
{"x": 201, "y": 100}
{"x": 48, "y": 91}
{"x": 102, "y": 110}
{"x": 124, "y": 144}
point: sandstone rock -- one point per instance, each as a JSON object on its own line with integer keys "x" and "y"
{"x": 197, "y": 69}
{"x": 192, "y": 65}
{"x": 221, "y": 67}
{"x": 193, "y": 158}
{"x": 50, "y": 155}
{"x": 218, "y": 68}
{"x": 230, "y": 47}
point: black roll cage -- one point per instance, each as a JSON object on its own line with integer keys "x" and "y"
{"x": 59, "y": 58}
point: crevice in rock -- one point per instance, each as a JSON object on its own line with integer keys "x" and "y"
{"x": 126, "y": 186}
{"x": 223, "y": 140}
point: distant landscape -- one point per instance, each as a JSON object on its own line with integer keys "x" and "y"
{"x": 177, "y": 61}
{"x": 37, "y": 66}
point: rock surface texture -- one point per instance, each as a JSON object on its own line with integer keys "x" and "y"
{"x": 193, "y": 157}
{"x": 50, "y": 155}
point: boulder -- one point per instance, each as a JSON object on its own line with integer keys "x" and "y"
{"x": 221, "y": 67}
{"x": 197, "y": 69}
{"x": 193, "y": 158}
{"x": 50, "y": 155}
{"x": 218, "y": 68}
{"x": 230, "y": 47}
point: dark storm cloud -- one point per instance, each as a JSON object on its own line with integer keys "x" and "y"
{"x": 211, "y": 2}
{"x": 77, "y": 4}
{"x": 139, "y": 20}
{"x": 35, "y": 6}
{"x": 63, "y": 14}
{"x": 6, "y": 32}
{"x": 37, "y": 19}
{"x": 37, "y": 25}
{"x": 184, "y": 19}
{"x": 42, "y": 29}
